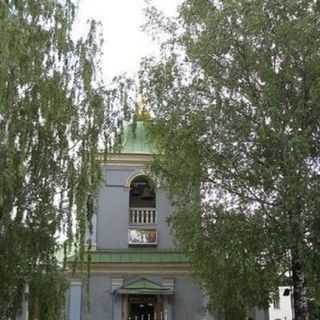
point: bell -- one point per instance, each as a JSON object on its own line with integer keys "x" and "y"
{"x": 135, "y": 192}
{"x": 147, "y": 194}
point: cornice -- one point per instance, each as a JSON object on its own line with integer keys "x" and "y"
{"x": 136, "y": 268}
{"x": 126, "y": 159}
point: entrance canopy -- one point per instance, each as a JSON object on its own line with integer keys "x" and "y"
{"x": 144, "y": 286}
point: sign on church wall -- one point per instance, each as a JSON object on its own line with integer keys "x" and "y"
{"x": 142, "y": 236}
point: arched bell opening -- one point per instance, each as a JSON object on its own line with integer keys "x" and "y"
{"x": 142, "y": 201}
{"x": 142, "y": 194}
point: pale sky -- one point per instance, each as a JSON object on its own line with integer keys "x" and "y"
{"x": 124, "y": 41}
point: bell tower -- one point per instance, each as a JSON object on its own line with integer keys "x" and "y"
{"x": 136, "y": 271}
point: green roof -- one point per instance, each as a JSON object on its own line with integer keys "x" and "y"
{"x": 144, "y": 286}
{"x": 134, "y": 139}
{"x": 137, "y": 256}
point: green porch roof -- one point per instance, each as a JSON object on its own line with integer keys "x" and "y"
{"x": 136, "y": 256}
{"x": 134, "y": 139}
{"x": 144, "y": 286}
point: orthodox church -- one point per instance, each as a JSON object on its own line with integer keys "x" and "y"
{"x": 136, "y": 272}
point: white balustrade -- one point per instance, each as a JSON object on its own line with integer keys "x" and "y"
{"x": 142, "y": 215}
{"x": 156, "y": 316}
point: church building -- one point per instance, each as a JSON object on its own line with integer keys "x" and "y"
{"x": 136, "y": 271}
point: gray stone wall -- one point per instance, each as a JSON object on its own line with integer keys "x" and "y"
{"x": 97, "y": 303}
{"x": 188, "y": 303}
{"x": 113, "y": 211}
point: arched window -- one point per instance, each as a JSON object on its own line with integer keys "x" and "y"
{"x": 142, "y": 202}
{"x": 142, "y": 194}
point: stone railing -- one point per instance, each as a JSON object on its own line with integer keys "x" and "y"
{"x": 148, "y": 316}
{"x": 142, "y": 216}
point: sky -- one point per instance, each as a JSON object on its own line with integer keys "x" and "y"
{"x": 124, "y": 41}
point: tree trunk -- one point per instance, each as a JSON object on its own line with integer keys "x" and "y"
{"x": 299, "y": 289}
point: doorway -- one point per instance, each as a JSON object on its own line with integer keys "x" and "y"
{"x": 142, "y": 307}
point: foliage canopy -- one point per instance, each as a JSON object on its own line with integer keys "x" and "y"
{"x": 236, "y": 104}
{"x": 52, "y": 113}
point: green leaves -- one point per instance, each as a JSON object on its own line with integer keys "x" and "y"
{"x": 237, "y": 126}
{"x": 52, "y": 114}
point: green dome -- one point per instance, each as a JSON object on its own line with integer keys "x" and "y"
{"x": 134, "y": 139}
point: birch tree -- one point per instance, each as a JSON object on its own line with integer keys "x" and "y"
{"x": 235, "y": 99}
{"x": 52, "y": 112}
